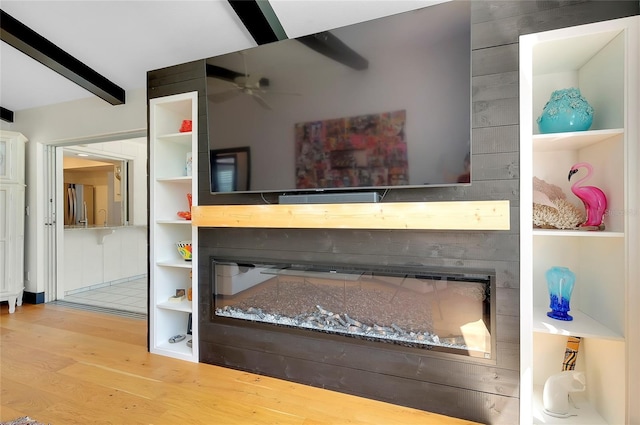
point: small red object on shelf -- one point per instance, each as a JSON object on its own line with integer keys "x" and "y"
{"x": 186, "y": 126}
{"x": 186, "y": 214}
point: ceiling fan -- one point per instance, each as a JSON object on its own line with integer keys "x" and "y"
{"x": 247, "y": 84}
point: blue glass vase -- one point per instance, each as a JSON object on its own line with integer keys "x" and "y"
{"x": 565, "y": 111}
{"x": 560, "y": 281}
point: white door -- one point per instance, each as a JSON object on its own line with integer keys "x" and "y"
{"x": 49, "y": 235}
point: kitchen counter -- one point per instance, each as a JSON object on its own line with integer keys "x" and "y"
{"x": 101, "y": 232}
{"x": 100, "y": 227}
{"x": 96, "y": 255}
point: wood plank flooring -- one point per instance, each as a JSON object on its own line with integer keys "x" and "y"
{"x": 66, "y": 366}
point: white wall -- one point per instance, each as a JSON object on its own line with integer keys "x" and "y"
{"x": 66, "y": 123}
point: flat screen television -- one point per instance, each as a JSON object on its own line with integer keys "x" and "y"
{"x": 380, "y": 104}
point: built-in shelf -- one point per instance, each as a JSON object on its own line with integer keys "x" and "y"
{"x": 184, "y": 306}
{"x": 177, "y": 221}
{"x": 178, "y": 350}
{"x": 170, "y": 190}
{"x": 177, "y": 137}
{"x": 578, "y": 233}
{"x": 581, "y": 326}
{"x": 175, "y": 263}
{"x": 179, "y": 179}
{"x": 572, "y": 140}
{"x": 455, "y": 215}
{"x": 601, "y": 60}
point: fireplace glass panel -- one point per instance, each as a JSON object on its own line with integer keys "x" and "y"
{"x": 406, "y": 306}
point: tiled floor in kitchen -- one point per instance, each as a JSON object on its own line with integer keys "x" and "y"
{"x": 128, "y": 296}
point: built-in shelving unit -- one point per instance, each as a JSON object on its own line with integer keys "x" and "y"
{"x": 601, "y": 60}
{"x": 169, "y": 186}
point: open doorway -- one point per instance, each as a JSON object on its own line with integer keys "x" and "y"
{"x": 96, "y": 189}
{"x": 101, "y": 191}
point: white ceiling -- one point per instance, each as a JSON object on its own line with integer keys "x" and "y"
{"x": 122, "y": 40}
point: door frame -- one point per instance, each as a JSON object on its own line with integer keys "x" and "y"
{"x": 51, "y": 254}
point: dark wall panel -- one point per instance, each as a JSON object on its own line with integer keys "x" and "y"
{"x": 476, "y": 391}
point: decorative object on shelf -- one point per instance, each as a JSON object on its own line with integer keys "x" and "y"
{"x": 593, "y": 198}
{"x": 189, "y": 164}
{"x": 560, "y": 281}
{"x": 184, "y": 248}
{"x": 571, "y": 353}
{"x": 555, "y": 395}
{"x": 176, "y": 298}
{"x": 186, "y": 126}
{"x": 551, "y": 209}
{"x": 177, "y": 338}
{"x": 186, "y": 214}
{"x": 565, "y": 111}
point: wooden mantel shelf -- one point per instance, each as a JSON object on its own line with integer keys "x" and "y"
{"x": 455, "y": 215}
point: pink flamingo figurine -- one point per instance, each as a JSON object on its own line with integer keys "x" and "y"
{"x": 594, "y": 199}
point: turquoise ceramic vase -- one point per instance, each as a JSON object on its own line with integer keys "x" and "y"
{"x": 566, "y": 111}
{"x": 560, "y": 281}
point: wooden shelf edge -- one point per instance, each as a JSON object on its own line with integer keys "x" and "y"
{"x": 454, "y": 215}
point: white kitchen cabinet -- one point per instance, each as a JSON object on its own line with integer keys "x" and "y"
{"x": 12, "y": 200}
{"x": 600, "y": 59}
{"x": 169, "y": 184}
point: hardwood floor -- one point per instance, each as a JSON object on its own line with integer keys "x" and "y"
{"x": 65, "y": 366}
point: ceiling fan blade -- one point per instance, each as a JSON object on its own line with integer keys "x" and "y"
{"x": 224, "y": 95}
{"x": 261, "y": 101}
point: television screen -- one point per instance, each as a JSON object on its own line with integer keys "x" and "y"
{"x": 375, "y": 105}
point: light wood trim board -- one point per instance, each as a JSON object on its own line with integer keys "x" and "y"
{"x": 453, "y": 215}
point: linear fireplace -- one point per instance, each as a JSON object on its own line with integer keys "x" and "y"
{"x": 448, "y": 312}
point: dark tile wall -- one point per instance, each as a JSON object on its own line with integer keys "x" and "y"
{"x": 474, "y": 391}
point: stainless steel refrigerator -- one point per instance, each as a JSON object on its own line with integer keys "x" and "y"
{"x": 79, "y": 204}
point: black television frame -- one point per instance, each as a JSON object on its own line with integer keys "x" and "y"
{"x": 233, "y": 73}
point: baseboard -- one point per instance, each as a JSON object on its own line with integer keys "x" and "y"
{"x": 33, "y": 297}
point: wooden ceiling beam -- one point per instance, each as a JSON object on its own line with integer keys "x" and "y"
{"x": 6, "y": 114}
{"x": 334, "y": 48}
{"x": 263, "y": 25}
{"x": 29, "y": 42}
{"x": 260, "y": 20}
